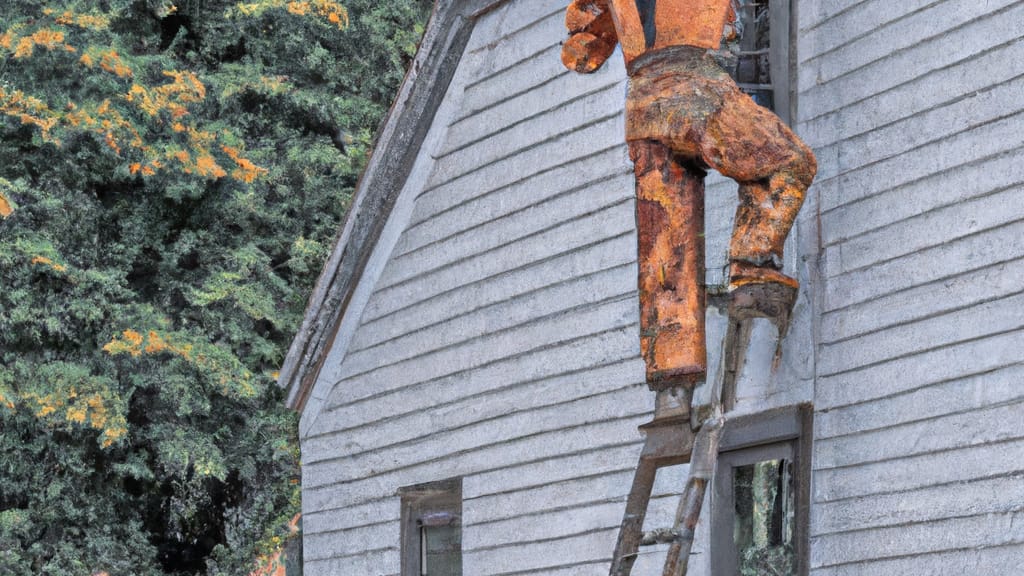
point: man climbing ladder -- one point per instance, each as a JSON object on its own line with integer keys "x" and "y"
{"x": 684, "y": 115}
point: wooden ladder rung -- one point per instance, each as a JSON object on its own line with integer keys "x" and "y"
{"x": 660, "y": 536}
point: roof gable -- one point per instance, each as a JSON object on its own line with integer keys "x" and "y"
{"x": 390, "y": 166}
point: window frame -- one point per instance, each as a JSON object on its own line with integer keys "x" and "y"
{"x": 746, "y": 439}
{"x": 424, "y": 505}
{"x": 781, "y": 56}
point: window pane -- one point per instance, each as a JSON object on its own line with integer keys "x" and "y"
{"x": 442, "y": 546}
{"x": 431, "y": 533}
{"x": 763, "y": 528}
{"x": 747, "y": 54}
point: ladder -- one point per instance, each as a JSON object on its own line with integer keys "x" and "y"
{"x": 677, "y": 435}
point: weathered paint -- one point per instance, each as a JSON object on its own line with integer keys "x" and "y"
{"x": 906, "y": 335}
{"x": 679, "y": 97}
{"x": 593, "y": 35}
{"x": 642, "y": 25}
{"x": 670, "y": 226}
{"x": 684, "y": 114}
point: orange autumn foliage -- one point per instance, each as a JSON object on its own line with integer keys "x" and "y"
{"x": 133, "y": 343}
{"x": 45, "y": 38}
{"x": 50, "y": 263}
{"x": 330, "y": 10}
{"x": 206, "y": 165}
{"x": 111, "y": 62}
{"x": 118, "y": 132}
{"x": 246, "y": 171}
{"x": 87, "y": 21}
{"x": 88, "y": 407}
{"x": 166, "y": 104}
{"x": 233, "y": 379}
{"x": 29, "y": 110}
{"x": 298, "y": 8}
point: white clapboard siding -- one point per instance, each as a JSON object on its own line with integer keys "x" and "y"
{"x": 1001, "y": 559}
{"x": 974, "y": 497}
{"x": 846, "y": 47}
{"x": 527, "y": 194}
{"x": 995, "y": 529}
{"x": 519, "y": 282}
{"x": 1004, "y": 314}
{"x": 955, "y": 45}
{"x": 919, "y": 106}
{"x": 908, "y": 474}
{"x": 496, "y": 340}
{"x": 971, "y": 76}
{"x": 990, "y": 388}
{"x": 567, "y": 359}
{"x": 499, "y": 342}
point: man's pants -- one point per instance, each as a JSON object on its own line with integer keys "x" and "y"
{"x": 683, "y": 115}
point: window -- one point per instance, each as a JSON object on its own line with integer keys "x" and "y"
{"x": 432, "y": 529}
{"x": 761, "y": 495}
{"x": 758, "y": 56}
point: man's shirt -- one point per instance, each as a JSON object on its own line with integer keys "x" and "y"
{"x": 644, "y": 25}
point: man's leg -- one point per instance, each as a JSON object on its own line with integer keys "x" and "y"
{"x": 774, "y": 169}
{"x": 670, "y": 225}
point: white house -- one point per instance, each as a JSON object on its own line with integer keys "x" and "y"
{"x": 469, "y": 371}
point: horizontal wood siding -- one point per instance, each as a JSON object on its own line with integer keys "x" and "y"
{"x": 917, "y": 109}
{"x": 500, "y": 341}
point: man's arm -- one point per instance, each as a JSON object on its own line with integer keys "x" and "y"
{"x": 592, "y": 36}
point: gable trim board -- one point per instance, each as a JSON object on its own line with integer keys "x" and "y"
{"x": 378, "y": 215}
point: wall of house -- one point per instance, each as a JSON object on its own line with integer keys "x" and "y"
{"x": 499, "y": 337}
{"x": 495, "y": 336}
{"x": 916, "y": 111}
{"x": 499, "y": 342}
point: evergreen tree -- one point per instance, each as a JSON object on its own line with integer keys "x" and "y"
{"x": 172, "y": 175}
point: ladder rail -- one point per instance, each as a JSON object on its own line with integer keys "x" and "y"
{"x": 699, "y": 448}
{"x": 704, "y": 458}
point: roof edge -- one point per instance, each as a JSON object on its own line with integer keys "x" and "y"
{"x": 391, "y": 162}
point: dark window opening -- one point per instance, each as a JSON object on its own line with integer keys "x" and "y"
{"x": 760, "y": 500}
{"x": 763, "y": 524}
{"x": 752, "y": 47}
{"x": 756, "y": 52}
{"x": 432, "y": 529}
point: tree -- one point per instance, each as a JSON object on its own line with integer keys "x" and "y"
{"x": 171, "y": 178}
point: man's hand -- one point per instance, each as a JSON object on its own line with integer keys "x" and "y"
{"x": 592, "y": 36}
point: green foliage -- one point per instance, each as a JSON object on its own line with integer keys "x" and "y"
{"x": 172, "y": 175}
